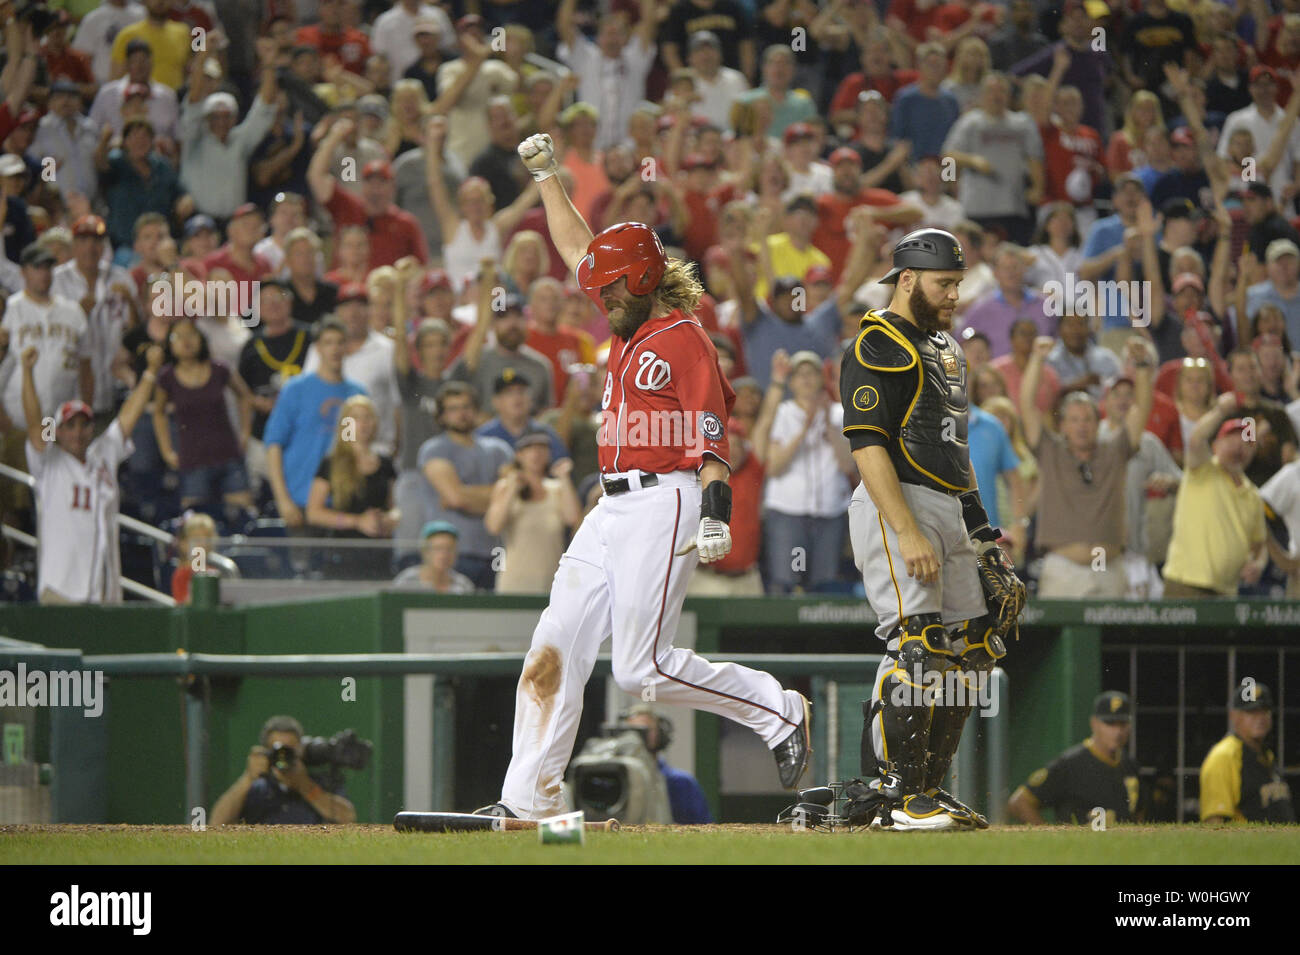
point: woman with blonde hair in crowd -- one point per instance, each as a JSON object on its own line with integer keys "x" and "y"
{"x": 1125, "y": 151}
{"x": 525, "y": 260}
{"x": 1194, "y": 395}
{"x": 1004, "y": 409}
{"x": 533, "y": 507}
{"x": 971, "y": 61}
{"x": 351, "y": 496}
{"x": 382, "y": 286}
{"x": 404, "y": 129}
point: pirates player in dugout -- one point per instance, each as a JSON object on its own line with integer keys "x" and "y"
{"x": 1096, "y": 774}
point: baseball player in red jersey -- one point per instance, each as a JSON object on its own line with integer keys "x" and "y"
{"x": 664, "y": 468}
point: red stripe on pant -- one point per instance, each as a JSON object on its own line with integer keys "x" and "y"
{"x": 663, "y": 604}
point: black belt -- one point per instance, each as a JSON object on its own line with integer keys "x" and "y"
{"x": 623, "y": 485}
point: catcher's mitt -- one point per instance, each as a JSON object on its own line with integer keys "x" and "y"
{"x": 1004, "y": 593}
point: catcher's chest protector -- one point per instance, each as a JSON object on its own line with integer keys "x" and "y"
{"x": 933, "y": 434}
{"x": 931, "y": 403}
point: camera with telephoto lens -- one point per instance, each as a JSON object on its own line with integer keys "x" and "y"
{"x": 343, "y": 750}
{"x": 38, "y": 15}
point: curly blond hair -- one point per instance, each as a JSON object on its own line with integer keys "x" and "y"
{"x": 680, "y": 288}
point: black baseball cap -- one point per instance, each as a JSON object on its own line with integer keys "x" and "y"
{"x": 1250, "y": 696}
{"x": 508, "y": 379}
{"x": 1258, "y": 189}
{"x": 1113, "y": 707}
{"x": 1180, "y": 207}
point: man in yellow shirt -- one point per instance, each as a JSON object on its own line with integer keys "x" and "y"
{"x": 1240, "y": 781}
{"x": 168, "y": 39}
{"x": 791, "y": 252}
{"x": 1219, "y": 538}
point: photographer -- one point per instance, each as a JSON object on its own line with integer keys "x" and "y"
{"x": 276, "y": 787}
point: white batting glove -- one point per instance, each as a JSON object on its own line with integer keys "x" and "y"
{"x": 538, "y": 154}
{"x": 713, "y": 540}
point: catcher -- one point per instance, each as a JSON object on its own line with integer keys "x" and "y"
{"x": 943, "y": 590}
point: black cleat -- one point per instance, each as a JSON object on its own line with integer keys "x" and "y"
{"x": 496, "y": 809}
{"x": 792, "y": 753}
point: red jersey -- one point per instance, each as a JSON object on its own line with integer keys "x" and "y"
{"x": 886, "y": 84}
{"x": 564, "y": 347}
{"x": 915, "y": 22}
{"x": 221, "y": 259}
{"x": 73, "y": 65}
{"x": 1061, "y": 152}
{"x": 394, "y": 233}
{"x": 349, "y": 46}
{"x": 184, "y": 573}
{"x": 1164, "y": 422}
{"x": 832, "y": 209}
{"x": 665, "y": 400}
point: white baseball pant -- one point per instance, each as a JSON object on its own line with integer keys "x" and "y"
{"x": 620, "y": 576}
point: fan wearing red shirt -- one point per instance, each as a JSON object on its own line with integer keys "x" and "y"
{"x": 1069, "y": 145}
{"x": 245, "y": 230}
{"x": 394, "y": 232}
{"x": 62, "y": 62}
{"x": 913, "y": 17}
{"x": 704, "y": 198}
{"x": 666, "y": 505}
{"x": 348, "y": 45}
{"x": 949, "y": 16}
{"x": 834, "y": 207}
{"x": 562, "y": 346}
{"x": 878, "y": 73}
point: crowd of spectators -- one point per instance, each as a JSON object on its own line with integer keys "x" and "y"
{"x": 405, "y": 362}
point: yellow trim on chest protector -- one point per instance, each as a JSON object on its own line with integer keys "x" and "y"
{"x": 875, "y": 322}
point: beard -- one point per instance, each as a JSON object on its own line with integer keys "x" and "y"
{"x": 511, "y": 340}
{"x": 628, "y": 315}
{"x": 927, "y": 316}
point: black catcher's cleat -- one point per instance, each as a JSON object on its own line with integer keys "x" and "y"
{"x": 792, "y": 753}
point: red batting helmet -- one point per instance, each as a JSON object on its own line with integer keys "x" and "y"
{"x": 628, "y": 249}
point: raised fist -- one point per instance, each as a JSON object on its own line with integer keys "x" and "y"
{"x": 538, "y": 154}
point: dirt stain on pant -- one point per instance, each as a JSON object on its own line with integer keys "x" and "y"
{"x": 541, "y": 681}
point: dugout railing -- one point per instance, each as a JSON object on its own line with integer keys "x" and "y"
{"x": 1067, "y": 652}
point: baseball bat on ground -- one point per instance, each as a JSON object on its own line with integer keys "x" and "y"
{"x": 468, "y": 822}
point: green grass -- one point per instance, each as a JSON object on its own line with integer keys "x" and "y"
{"x": 748, "y": 844}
